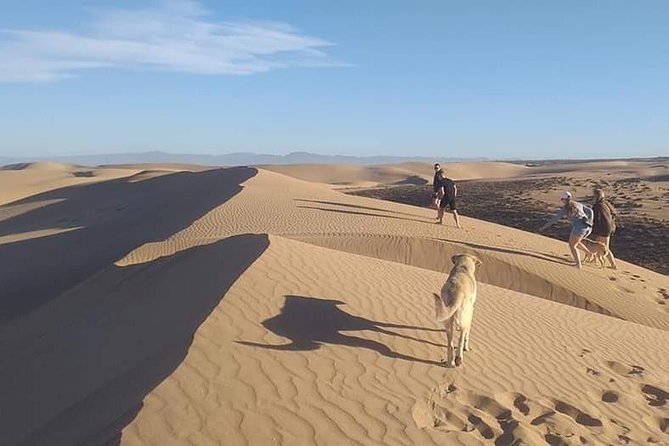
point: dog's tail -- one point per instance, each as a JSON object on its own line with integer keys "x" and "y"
{"x": 444, "y": 313}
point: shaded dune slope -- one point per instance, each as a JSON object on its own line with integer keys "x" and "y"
{"x": 107, "y": 221}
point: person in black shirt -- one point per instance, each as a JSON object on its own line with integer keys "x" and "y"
{"x": 436, "y": 188}
{"x": 448, "y": 192}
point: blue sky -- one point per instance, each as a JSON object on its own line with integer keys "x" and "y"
{"x": 497, "y": 79}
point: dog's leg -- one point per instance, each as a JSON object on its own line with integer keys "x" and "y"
{"x": 461, "y": 347}
{"x": 467, "y": 323}
{"x": 466, "y": 329}
{"x": 450, "y": 343}
{"x": 589, "y": 257}
{"x": 466, "y": 334}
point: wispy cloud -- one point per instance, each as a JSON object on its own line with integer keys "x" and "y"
{"x": 180, "y": 37}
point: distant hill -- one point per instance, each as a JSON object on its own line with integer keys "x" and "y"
{"x": 230, "y": 159}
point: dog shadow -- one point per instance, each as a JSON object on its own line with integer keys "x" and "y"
{"x": 310, "y": 322}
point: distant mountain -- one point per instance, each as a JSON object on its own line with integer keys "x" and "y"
{"x": 231, "y": 159}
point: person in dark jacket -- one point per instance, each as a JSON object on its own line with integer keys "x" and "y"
{"x": 604, "y": 222}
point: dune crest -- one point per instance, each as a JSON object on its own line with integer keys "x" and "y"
{"x": 238, "y": 306}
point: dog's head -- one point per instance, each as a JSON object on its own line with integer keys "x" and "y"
{"x": 467, "y": 260}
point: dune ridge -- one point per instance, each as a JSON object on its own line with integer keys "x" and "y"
{"x": 258, "y": 308}
{"x": 355, "y": 176}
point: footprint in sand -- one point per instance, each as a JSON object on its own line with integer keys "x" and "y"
{"x": 625, "y": 370}
{"x": 664, "y": 296}
{"x": 663, "y": 424}
{"x": 576, "y": 414}
{"x": 584, "y": 351}
{"x": 593, "y": 372}
{"x": 655, "y": 396}
{"x": 507, "y": 419}
{"x": 610, "y": 396}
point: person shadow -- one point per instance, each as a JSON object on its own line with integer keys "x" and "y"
{"x": 311, "y": 322}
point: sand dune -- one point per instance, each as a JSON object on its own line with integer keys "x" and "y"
{"x": 26, "y": 179}
{"x": 406, "y": 173}
{"x": 23, "y": 180}
{"x": 96, "y": 224}
{"x": 239, "y": 307}
{"x": 341, "y": 176}
{"x": 353, "y": 175}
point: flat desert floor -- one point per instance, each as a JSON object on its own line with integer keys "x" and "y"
{"x": 171, "y": 305}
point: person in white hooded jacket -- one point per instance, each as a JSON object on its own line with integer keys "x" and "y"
{"x": 580, "y": 217}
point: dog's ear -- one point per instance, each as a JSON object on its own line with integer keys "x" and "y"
{"x": 477, "y": 261}
{"x": 455, "y": 258}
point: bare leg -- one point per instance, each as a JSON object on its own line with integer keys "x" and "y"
{"x": 586, "y": 250}
{"x": 574, "y": 243}
{"x": 457, "y": 219}
{"x": 440, "y": 215}
{"x": 589, "y": 255}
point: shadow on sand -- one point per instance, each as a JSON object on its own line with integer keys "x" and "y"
{"x": 526, "y": 253}
{"x": 109, "y": 219}
{"x": 310, "y": 322}
{"x": 77, "y": 370}
{"x": 366, "y": 214}
{"x": 357, "y": 206}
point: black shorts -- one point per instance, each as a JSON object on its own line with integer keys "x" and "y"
{"x": 450, "y": 202}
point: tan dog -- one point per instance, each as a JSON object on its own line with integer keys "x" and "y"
{"x": 598, "y": 252}
{"x": 455, "y": 306}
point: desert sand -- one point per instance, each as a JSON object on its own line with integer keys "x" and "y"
{"x": 352, "y": 176}
{"x": 247, "y": 306}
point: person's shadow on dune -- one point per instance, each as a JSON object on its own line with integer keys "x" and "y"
{"x": 104, "y": 222}
{"x": 310, "y": 322}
